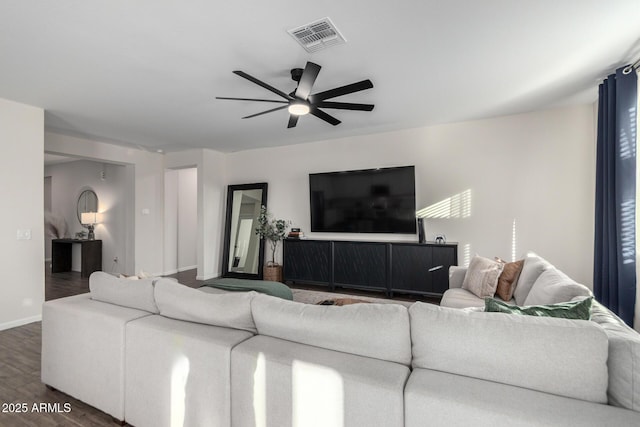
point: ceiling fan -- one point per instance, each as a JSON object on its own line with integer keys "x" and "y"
{"x": 301, "y": 101}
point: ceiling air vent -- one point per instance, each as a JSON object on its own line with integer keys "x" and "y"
{"x": 317, "y": 35}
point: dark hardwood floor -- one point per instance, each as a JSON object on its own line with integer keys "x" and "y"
{"x": 20, "y": 385}
{"x": 60, "y": 285}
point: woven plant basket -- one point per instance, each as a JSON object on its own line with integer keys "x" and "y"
{"x": 272, "y": 272}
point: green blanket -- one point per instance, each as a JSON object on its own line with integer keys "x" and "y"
{"x": 275, "y": 289}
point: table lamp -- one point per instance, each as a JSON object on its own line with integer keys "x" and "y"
{"x": 90, "y": 219}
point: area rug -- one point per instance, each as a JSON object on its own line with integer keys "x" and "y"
{"x": 315, "y": 297}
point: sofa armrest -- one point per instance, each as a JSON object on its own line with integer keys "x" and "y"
{"x": 456, "y": 276}
{"x": 83, "y": 350}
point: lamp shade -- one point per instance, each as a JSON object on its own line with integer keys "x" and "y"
{"x": 90, "y": 217}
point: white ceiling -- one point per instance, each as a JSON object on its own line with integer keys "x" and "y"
{"x": 146, "y": 72}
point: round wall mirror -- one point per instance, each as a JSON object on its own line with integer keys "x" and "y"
{"x": 87, "y": 202}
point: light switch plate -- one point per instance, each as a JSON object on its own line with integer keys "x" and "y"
{"x": 24, "y": 234}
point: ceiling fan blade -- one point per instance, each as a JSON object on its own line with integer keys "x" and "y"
{"x": 293, "y": 121}
{"x": 324, "y": 116}
{"x": 345, "y": 106}
{"x": 265, "y": 112}
{"x": 251, "y": 99}
{"x": 307, "y": 80}
{"x": 263, "y": 84}
{"x": 339, "y": 91}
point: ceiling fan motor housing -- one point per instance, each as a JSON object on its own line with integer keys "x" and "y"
{"x": 296, "y": 74}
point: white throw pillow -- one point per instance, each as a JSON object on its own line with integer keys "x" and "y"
{"x": 553, "y": 287}
{"x": 127, "y": 293}
{"x": 229, "y": 310}
{"x": 533, "y": 267}
{"x": 482, "y": 276}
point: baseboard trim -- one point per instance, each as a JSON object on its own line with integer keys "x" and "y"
{"x": 20, "y": 322}
{"x": 190, "y": 267}
{"x": 169, "y": 272}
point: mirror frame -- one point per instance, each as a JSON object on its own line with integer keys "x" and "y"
{"x": 84, "y": 192}
{"x": 227, "y": 232}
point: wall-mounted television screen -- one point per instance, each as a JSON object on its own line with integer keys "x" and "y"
{"x": 364, "y": 201}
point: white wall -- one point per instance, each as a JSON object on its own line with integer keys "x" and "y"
{"x": 47, "y": 207}
{"x": 187, "y": 219}
{"x": 212, "y": 189}
{"x": 144, "y": 202}
{"x": 536, "y": 169}
{"x": 181, "y": 220}
{"x": 170, "y": 264}
{"x": 69, "y": 180}
{"x": 22, "y": 192}
{"x": 211, "y": 184}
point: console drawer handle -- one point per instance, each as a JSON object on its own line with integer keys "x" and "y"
{"x": 436, "y": 268}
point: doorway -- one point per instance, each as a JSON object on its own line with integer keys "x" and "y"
{"x": 181, "y": 220}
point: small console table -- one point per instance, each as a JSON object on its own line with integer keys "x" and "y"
{"x": 90, "y": 253}
{"x": 403, "y": 267}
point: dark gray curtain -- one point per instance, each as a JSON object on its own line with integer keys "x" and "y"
{"x": 614, "y": 277}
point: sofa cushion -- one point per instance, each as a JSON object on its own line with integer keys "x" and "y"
{"x": 482, "y": 276}
{"x": 559, "y": 356}
{"x": 565, "y": 310}
{"x": 126, "y": 293}
{"x": 624, "y": 358}
{"x": 277, "y": 383}
{"x": 456, "y": 276}
{"x": 508, "y": 279}
{"x": 231, "y": 310}
{"x": 83, "y": 355}
{"x": 460, "y": 298}
{"x": 552, "y": 287}
{"x": 531, "y": 270}
{"x": 373, "y": 330}
{"x": 178, "y": 373}
{"x": 439, "y": 399}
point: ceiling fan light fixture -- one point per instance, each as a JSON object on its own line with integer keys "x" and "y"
{"x": 302, "y": 101}
{"x": 299, "y": 108}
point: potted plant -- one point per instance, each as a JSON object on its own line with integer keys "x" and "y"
{"x": 273, "y": 230}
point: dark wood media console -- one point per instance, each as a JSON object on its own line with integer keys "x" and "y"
{"x": 403, "y": 267}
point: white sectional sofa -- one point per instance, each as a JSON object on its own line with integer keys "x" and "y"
{"x": 162, "y": 354}
{"x": 83, "y": 350}
{"x": 541, "y": 283}
{"x": 315, "y": 365}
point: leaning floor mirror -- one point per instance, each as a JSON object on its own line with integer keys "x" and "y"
{"x": 243, "y": 254}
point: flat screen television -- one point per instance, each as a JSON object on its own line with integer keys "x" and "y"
{"x": 364, "y": 201}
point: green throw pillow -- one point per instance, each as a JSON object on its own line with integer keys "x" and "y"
{"x": 567, "y": 310}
